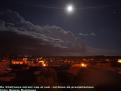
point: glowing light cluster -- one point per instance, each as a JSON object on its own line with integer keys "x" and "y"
{"x": 43, "y": 63}
{"x": 17, "y": 62}
{"x": 119, "y": 61}
{"x": 83, "y": 65}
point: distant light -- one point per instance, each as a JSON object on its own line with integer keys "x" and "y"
{"x": 119, "y": 61}
{"x": 70, "y": 8}
{"x": 44, "y": 65}
{"x": 83, "y": 65}
{"x": 41, "y": 61}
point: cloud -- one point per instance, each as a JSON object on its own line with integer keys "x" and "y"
{"x": 19, "y": 36}
{"x": 92, "y": 34}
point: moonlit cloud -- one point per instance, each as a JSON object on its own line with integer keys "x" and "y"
{"x": 92, "y": 34}
{"x": 20, "y": 36}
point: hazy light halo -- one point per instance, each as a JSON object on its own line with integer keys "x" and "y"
{"x": 69, "y": 8}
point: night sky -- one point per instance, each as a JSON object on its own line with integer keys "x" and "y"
{"x": 95, "y": 22}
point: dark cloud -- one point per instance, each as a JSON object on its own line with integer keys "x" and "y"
{"x": 18, "y": 36}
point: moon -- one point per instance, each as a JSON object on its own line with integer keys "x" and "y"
{"x": 69, "y": 8}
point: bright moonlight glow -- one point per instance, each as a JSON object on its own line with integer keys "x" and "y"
{"x": 70, "y": 8}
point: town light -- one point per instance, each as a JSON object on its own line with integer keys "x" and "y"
{"x": 119, "y": 61}
{"x": 83, "y": 65}
{"x": 43, "y": 63}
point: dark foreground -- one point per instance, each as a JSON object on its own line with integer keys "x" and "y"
{"x": 101, "y": 79}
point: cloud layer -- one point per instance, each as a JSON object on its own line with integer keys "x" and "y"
{"x": 19, "y": 36}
